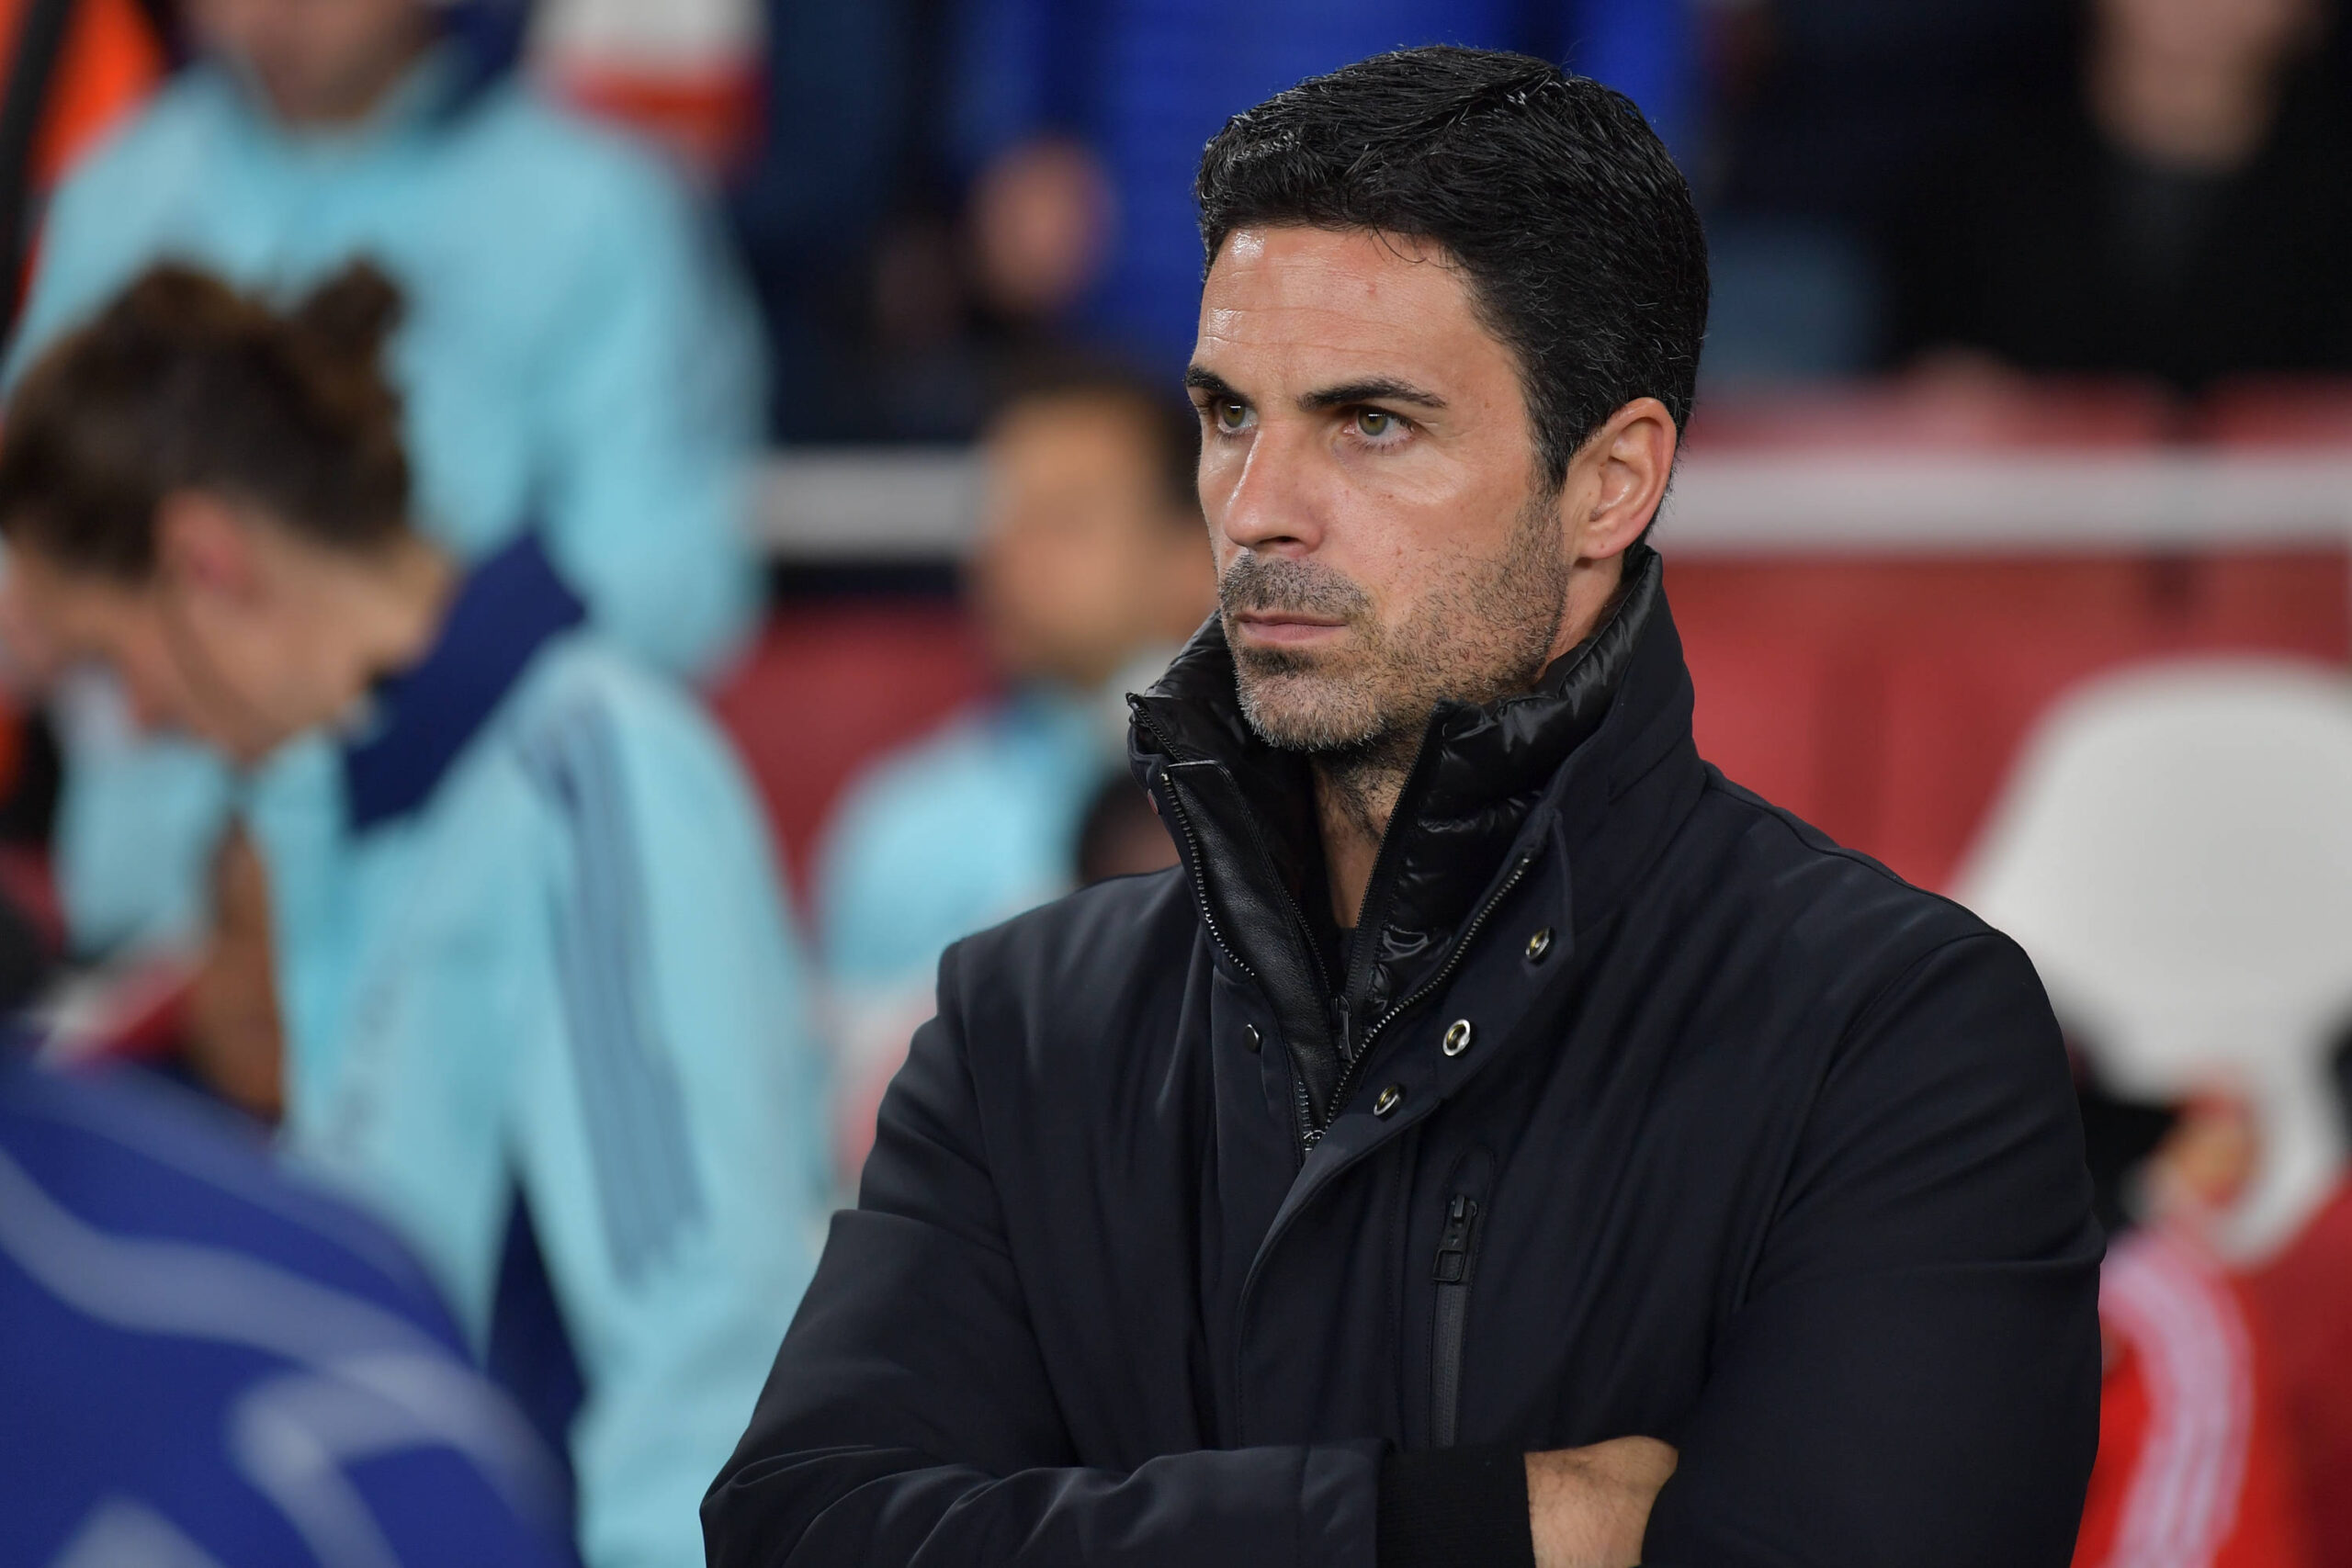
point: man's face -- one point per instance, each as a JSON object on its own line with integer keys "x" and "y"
{"x": 1383, "y": 540}
{"x": 1083, "y": 559}
{"x": 319, "y": 61}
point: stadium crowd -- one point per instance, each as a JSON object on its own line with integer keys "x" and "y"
{"x": 462, "y": 906}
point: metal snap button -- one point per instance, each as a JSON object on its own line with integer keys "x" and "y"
{"x": 1390, "y": 1098}
{"x": 1251, "y": 1038}
{"x": 1539, "y": 944}
{"x": 1457, "y": 1037}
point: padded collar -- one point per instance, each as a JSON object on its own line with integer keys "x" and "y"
{"x": 1245, "y": 819}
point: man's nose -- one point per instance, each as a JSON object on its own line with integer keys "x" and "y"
{"x": 1275, "y": 506}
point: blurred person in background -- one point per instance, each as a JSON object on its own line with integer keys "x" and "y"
{"x": 848, "y": 251}
{"x": 207, "y": 1016}
{"x": 1818, "y": 112}
{"x": 2184, "y": 217}
{"x": 2197, "y": 1461}
{"x": 1081, "y": 125}
{"x": 581, "y": 358}
{"x": 2303, "y": 1294}
{"x": 540, "y": 998}
{"x": 206, "y": 1362}
{"x": 1091, "y": 569}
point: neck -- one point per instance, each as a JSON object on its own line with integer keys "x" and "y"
{"x": 354, "y": 102}
{"x": 1356, "y": 792}
{"x": 382, "y": 613}
{"x": 2183, "y": 111}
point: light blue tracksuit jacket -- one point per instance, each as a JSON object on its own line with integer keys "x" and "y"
{"x": 578, "y": 350}
{"x": 536, "y": 976}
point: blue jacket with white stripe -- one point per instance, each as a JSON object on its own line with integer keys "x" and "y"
{"x": 203, "y": 1361}
{"x": 538, "y": 981}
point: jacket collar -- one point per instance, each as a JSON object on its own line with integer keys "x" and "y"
{"x": 1604, "y": 717}
{"x": 506, "y": 610}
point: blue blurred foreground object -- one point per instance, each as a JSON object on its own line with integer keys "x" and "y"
{"x": 205, "y": 1362}
{"x": 535, "y": 972}
{"x": 579, "y": 350}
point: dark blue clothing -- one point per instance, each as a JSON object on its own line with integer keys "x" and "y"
{"x": 202, "y": 1360}
{"x": 1640, "y": 1109}
{"x": 1148, "y": 82}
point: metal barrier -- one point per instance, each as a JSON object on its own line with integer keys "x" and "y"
{"x": 919, "y": 503}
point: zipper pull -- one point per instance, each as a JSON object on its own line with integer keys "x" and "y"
{"x": 1340, "y": 1028}
{"x": 1453, "y": 1246}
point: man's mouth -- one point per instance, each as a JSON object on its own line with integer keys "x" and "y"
{"x": 1286, "y": 628}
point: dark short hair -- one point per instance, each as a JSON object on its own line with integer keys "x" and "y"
{"x": 1577, "y": 234}
{"x": 184, "y": 383}
{"x": 1167, "y": 421}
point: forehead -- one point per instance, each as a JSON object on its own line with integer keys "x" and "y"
{"x": 1292, "y": 303}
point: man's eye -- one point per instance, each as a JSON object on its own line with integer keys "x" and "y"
{"x": 1230, "y": 415}
{"x": 1375, "y": 422}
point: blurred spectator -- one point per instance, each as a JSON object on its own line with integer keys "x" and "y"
{"x": 540, "y": 1000}
{"x": 1821, "y": 110}
{"x": 1046, "y": 86}
{"x": 2304, "y": 1296}
{"x": 208, "y": 1363}
{"x": 74, "y": 67}
{"x": 2186, "y": 217}
{"x": 2195, "y": 1461}
{"x": 206, "y": 1018}
{"x": 834, "y": 289}
{"x": 580, "y": 359}
{"x": 1092, "y": 567}
{"x": 234, "y": 1040}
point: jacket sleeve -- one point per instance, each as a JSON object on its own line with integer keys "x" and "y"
{"x": 668, "y": 1125}
{"x": 1913, "y": 1376}
{"x": 910, "y": 1418}
{"x": 650, "y": 425}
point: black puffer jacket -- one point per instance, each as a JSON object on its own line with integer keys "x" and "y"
{"x": 1642, "y": 1110}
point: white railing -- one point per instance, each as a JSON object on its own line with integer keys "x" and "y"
{"x": 918, "y": 503}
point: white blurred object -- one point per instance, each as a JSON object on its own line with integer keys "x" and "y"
{"x": 654, "y": 36}
{"x": 2175, "y": 851}
{"x": 685, "y": 73}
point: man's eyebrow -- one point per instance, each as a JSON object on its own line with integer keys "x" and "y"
{"x": 1202, "y": 380}
{"x": 1375, "y": 390}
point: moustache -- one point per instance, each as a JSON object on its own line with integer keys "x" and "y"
{"x": 1271, "y": 584}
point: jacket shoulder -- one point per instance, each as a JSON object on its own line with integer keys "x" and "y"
{"x": 1829, "y": 910}
{"x": 1108, "y": 955}
{"x": 574, "y": 168}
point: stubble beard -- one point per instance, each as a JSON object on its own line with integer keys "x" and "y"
{"x": 1483, "y": 632}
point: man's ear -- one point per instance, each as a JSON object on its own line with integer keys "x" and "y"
{"x": 1618, "y": 481}
{"x": 200, "y": 542}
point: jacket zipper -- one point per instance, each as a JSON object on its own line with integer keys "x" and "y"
{"x": 1200, "y": 893}
{"x": 1452, "y": 961}
{"x": 1454, "y": 1256}
{"x": 1308, "y": 1134}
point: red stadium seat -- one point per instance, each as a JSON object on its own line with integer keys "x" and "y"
{"x": 1767, "y": 713}
{"x": 2283, "y": 413}
{"x": 828, "y": 688}
{"x": 1883, "y": 700}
